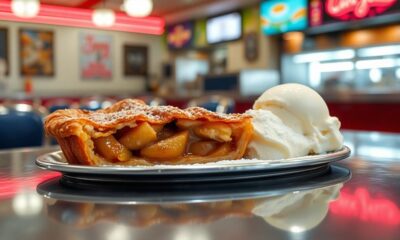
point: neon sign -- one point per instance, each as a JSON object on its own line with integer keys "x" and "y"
{"x": 179, "y": 36}
{"x": 342, "y": 9}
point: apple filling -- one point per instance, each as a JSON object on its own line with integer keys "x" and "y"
{"x": 176, "y": 141}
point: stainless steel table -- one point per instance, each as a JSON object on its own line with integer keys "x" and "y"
{"x": 365, "y": 207}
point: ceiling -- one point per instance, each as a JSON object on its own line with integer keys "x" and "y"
{"x": 171, "y": 10}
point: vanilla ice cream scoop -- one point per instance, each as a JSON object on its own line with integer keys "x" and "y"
{"x": 292, "y": 120}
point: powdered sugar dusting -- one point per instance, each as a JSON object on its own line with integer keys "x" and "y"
{"x": 128, "y": 111}
{"x": 242, "y": 161}
{"x": 137, "y": 110}
{"x": 222, "y": 163}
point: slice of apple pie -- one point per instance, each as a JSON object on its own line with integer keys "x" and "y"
{"x": 133, "y": 133}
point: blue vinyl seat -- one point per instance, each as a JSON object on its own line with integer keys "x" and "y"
{"x": 220, "y": 104}
{"x": 20, "y": 126}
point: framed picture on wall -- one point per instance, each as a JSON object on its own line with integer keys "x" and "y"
{"x": 4, "y": 63}
{"x": 135, "y": 60}
{"x": 95, "y": 56}
{"x": 36, "y": 52}
{"x": 251, "y": 46}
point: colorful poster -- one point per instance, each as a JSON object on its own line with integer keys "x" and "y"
{"x": 95, "y": 56}
{"x": 180, "y": 35}
{"x": 36, "y": 52}
{"x": 279, "y": 16}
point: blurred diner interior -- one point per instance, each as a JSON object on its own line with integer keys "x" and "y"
{"x": 220, "y": 55}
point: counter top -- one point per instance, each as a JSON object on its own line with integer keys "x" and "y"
{"x": 365, "y": 207}
{"x": 340, "y": 96}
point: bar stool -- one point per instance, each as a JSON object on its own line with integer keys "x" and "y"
{"x": 21, "y": 125}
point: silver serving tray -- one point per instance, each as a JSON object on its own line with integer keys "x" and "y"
{"x": 56, "y": 161}
{"x": 191, "y": 193}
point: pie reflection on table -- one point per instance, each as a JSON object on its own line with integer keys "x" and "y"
{"x": 295, "y": 211}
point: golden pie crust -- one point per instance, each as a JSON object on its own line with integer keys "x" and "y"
{"x": 198, "y": 134}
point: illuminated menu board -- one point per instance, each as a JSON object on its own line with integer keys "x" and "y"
{"x": 224, "y": 28}
{"x": 323, "y": 12}
{"x": 279, "y": 16}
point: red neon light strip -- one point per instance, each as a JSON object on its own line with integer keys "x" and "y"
{"x": 88, "y": 3}
{"x": 75, "y": 17}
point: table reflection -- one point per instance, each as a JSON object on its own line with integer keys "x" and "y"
{"x": 295, "y": 212}
{"x": 365, "y": 207}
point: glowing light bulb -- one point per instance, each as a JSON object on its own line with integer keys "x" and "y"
{"x": 25, "y": 8}
{"x": 103, "y": 17}
{"x": 138, "y": 8}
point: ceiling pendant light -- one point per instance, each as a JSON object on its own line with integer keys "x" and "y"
{"x": 25, "y": 8}
{"x": 138, "y": 8}
{"x": 103, "y": 17}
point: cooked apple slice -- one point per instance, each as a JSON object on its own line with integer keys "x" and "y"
{"x": 171, "y": 147}
{"x": 157, "y": 127}
{"x": 202, "y": 148}
{"x": 165, "y": 133}
{"x": 111, "y": 149}
{"x": 187, "y": 124}
{"x": 222, "y": 150}
{"x": 220, "y": 132}
{"x": 138, "y": 137}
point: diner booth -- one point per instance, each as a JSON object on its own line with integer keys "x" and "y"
{"x": 282, "y": 178}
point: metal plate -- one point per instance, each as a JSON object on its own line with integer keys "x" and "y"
{"x": 117, "y": 181}
{"x": 56, "y": 161}
{"x": 218, "y": 191}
